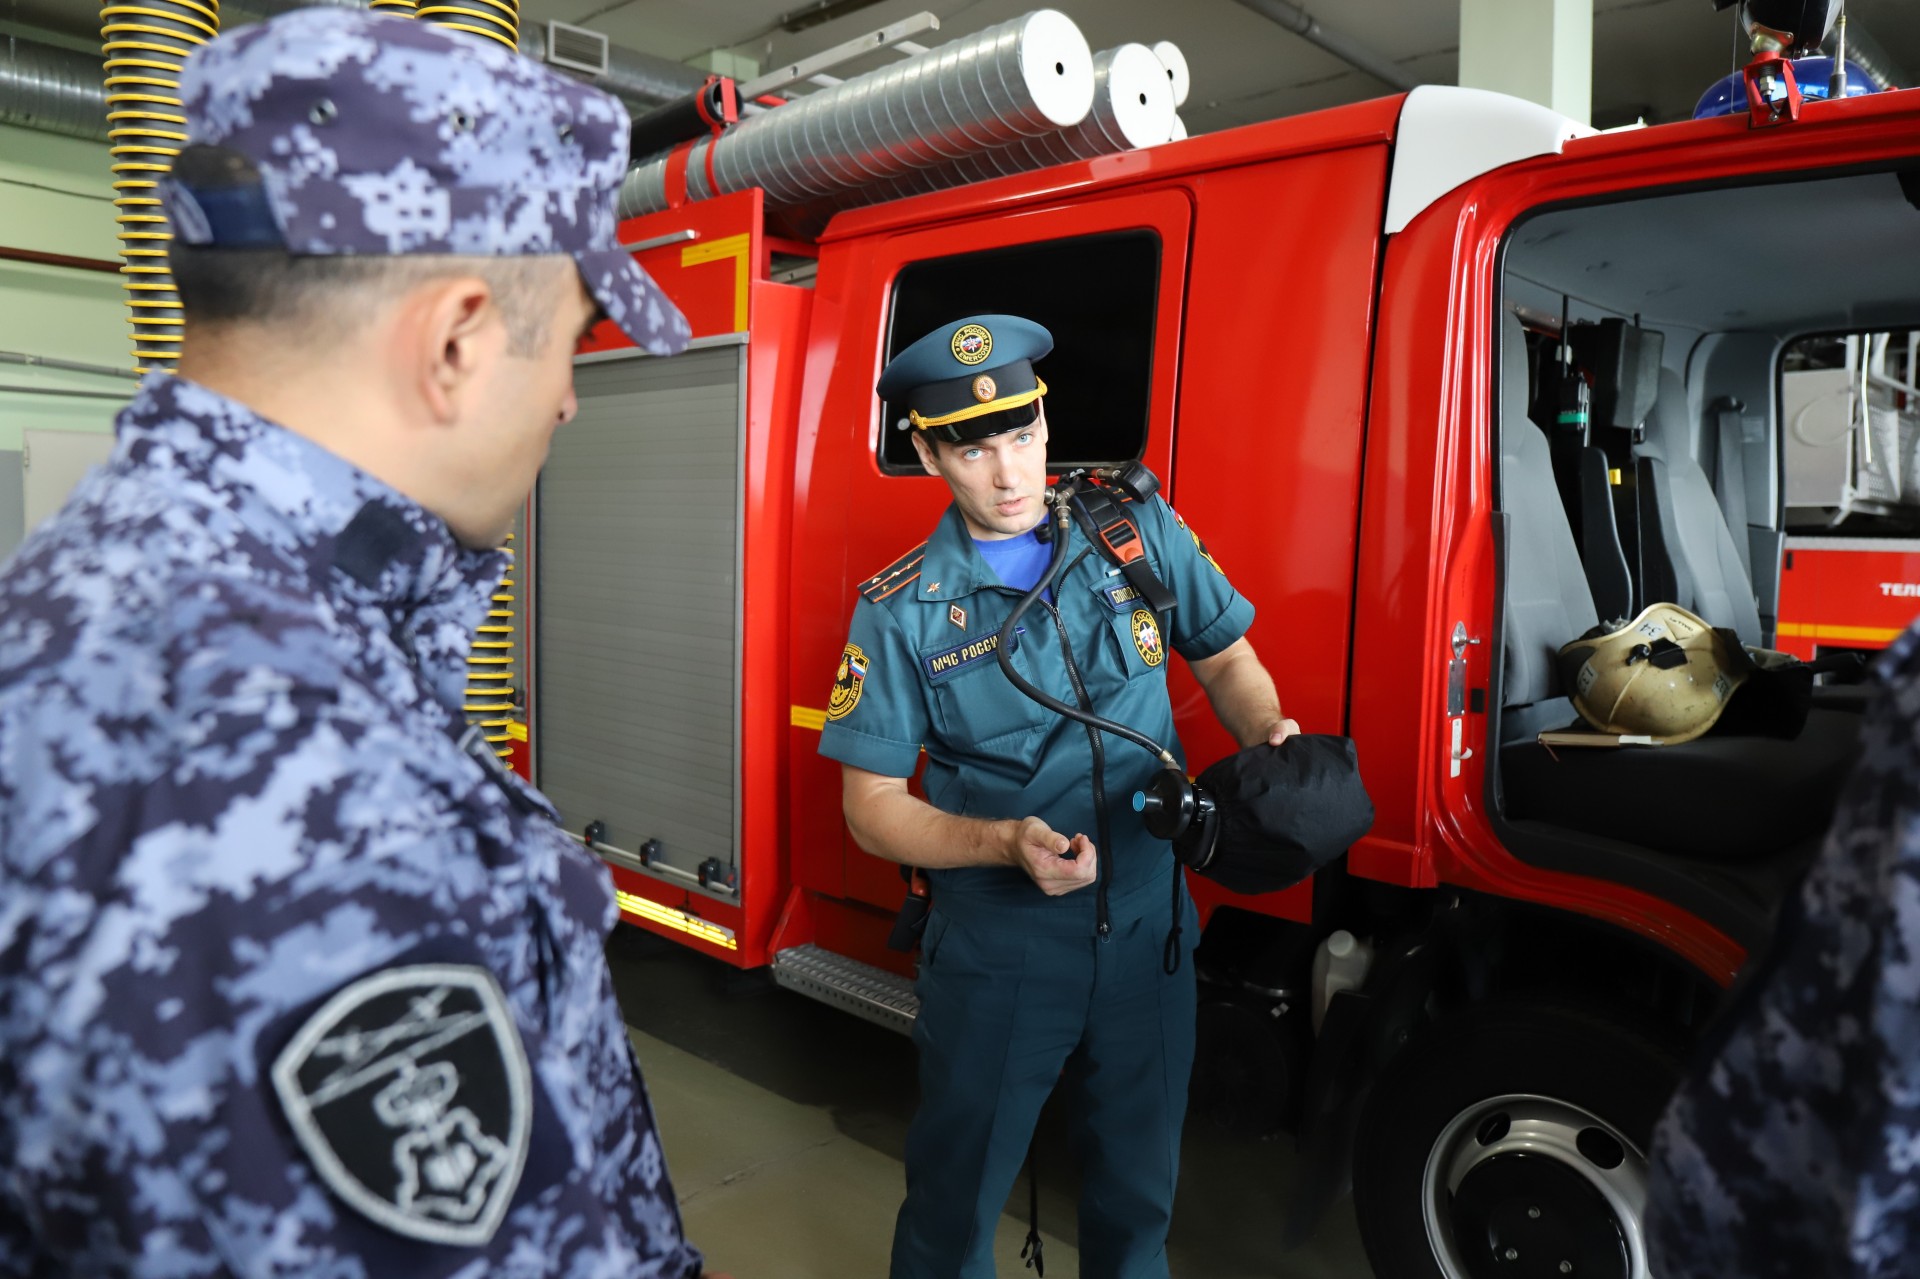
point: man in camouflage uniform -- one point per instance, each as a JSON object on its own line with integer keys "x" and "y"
{"x": 1793, "y": 1148}
{"x": 295, "y": 979}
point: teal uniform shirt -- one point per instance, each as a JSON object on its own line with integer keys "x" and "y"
{"x": 919, "y": 670}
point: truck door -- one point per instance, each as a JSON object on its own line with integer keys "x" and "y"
{"x": 1107, "y": 276}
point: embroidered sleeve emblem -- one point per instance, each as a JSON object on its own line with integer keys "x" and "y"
{"x": 847, "y": 679}
{"x": 410, "y": 1092}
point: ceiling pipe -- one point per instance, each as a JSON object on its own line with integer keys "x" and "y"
{"x": 66, "y": 366}
{"x": 65, "y": 261}
{"x": 1870, "y": 56}
{"x": 1345, "y": 48}
{"x": 641, "y": 79}
{"x": 59, "y": 90}
{"x": 51, "y": 89}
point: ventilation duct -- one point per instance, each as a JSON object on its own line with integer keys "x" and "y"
{"x": 55, "y": 90}
{"x": 642, "y": 79}
{"x": 1021, "y": 78}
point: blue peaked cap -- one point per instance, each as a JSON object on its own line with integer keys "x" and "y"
{"x": 376, "y": 134}
{"x": 971, "y": 378}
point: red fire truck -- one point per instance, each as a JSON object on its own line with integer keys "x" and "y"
{"x": 1347, "y": 343}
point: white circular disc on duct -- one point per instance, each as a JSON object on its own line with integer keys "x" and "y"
{"x": 1057, "y": 65}
{"x": 1176, "y": 64}
{"x": 1179, "y": 129}
{"x": 1138, "y": 102}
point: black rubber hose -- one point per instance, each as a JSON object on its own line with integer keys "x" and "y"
{"x": 1003, "y": 653}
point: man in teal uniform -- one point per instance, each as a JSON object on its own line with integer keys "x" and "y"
{"x": 1044, "y": 951}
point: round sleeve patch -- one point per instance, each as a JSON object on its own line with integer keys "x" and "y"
{"x": 1146, "y": 637}
{"x": 847, "y": 680}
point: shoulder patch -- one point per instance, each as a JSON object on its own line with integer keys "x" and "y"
{"x": 410, "y": 1091}
{"x": 894, "y": 576}
{"x": 1198, "y": 545}
{"x": 848, "y": 679}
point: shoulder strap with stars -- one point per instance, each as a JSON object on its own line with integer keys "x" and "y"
{"x": 894, "y": 576}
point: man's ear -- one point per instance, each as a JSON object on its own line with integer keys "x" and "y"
{"x": 924, "y": 447}
{"x": 446, "y": 324}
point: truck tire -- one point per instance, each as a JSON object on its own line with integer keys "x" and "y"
{"x": 1509, "y": 1139}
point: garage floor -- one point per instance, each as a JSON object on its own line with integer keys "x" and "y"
{"x": 784, "y": 1120}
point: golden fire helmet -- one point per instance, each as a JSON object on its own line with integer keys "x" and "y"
{"x": 1666, "y": 674}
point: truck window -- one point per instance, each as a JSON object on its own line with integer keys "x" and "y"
{"x": 1096, "y": 294}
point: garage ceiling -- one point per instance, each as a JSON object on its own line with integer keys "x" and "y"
{"x": 1652, "y": 58}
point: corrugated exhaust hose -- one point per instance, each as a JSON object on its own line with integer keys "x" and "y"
{"x": 146, "y": 44}
{"x": 493, "y": 19}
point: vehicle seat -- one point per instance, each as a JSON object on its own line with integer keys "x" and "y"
{"x": 1726, "y": 798}
{"x": 1687, "y": 554}
{"x": 1723, "y": 798}
{"x": 1548, "y": 602}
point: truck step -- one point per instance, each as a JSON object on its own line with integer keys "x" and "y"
{"x": 884, "y": 998}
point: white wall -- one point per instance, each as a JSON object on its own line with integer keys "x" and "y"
{"x": 56, "y": 197}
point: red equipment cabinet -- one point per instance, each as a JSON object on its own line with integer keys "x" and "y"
{"x": 1323, "y": 403}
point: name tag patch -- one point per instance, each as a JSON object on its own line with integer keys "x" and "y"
{"x": 967, "y": 653}
{"x": 1120, "y": 597}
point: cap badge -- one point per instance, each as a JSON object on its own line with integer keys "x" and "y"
{"x": 984, "y": 389}
{"x": 972, "y": 344}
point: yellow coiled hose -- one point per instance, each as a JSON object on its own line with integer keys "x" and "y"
{"x": 494, "y": 19}
{"x": 145, "y": 44}
{"x": 399, "y": 6}
{"x": 489, "y": 700}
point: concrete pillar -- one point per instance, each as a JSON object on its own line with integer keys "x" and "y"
{"x": 1540, "y": 50}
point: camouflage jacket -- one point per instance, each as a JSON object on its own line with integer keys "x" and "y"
{"x": 1793, "y": 1148}
{"x": 293, "y": 980}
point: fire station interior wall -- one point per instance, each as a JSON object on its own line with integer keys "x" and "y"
{"x": 13, "y": 507}
{"x": 55, "y": 197}
{"x": 636, "y": 605}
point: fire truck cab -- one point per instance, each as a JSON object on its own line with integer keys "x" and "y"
{"x": 1349, "y": 344}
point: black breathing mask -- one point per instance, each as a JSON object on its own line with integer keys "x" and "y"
{"x": 1265, "y": 818}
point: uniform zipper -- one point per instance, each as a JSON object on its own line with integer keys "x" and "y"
{"x": 1104, "y": 853}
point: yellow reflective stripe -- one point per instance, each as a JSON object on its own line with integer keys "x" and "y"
{"x": 1813, "y": 630}
{"x": 808, "y": 717}
{"x": 737, "y": 247}
{"x": 979, "y": 410}
{"x": 694, "y": 926}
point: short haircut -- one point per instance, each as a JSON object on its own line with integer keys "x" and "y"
{"x": 323, "y": 295}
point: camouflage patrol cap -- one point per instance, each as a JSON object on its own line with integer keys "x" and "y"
{"x": 377, "y": 134}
